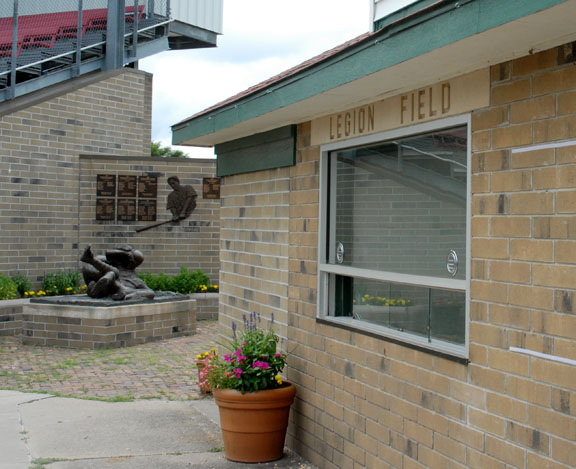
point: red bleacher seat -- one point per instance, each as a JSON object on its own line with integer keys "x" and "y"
{"x": 44, "y": 30}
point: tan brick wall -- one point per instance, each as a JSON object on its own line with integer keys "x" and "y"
{"x": 40, "y": 146}
{"x": 366, "y": 402}
{"x": 106, "y": 327}
{"x": 254, "y": 233}
{"x": 51, "y": 154}
{"x": 192, "y": 243}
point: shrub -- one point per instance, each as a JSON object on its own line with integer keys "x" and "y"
{"x": 23, "y": 283}
{"x": 157, "y": 282}
{"x": 185, "y": 282}
{"x": 189, "y": 282}
{"x": 8, "y": 288}
{"x": 61, "y": 283}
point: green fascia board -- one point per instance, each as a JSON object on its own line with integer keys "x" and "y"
{"x": 399, "y": 42}
{"x": 273, "y": 149}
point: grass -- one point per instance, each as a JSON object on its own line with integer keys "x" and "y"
{"x": 40, "y": 463}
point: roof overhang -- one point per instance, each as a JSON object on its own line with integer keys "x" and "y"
{"x": 441, "y": 41}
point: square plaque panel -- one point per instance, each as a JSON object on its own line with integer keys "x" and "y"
{"x": 106, "y": 185}
{"x": 146, "y": 210}
{"x": 127, "y": 185}
{"x": 148, "y": 187}
{"x": 105, "y": 209}
{"x": 211, "y": 188}
{"x": 126, "y": 209}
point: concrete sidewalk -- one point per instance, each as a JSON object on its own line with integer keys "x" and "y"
{"x": 42, "y": 431}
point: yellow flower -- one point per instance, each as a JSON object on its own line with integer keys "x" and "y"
{"x": 213, "y": 350}
{"x": 68, "y": 288}
{"x": 199, "y": 356}
{"x": 278, "y": 379}
{"x": 25, "y": 293}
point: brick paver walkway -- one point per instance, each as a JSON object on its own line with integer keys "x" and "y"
{"x": 159, "y": 370}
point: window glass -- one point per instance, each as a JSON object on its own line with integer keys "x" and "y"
{"x": 435, "y": 314}
{"x": 401, "y": 206}
{"x": 395, "y": 224}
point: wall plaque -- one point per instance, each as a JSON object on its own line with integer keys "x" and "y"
{"x": 126, "y": 210}
{"x": 146, "y": 210}
{"x": 106, "y": 185}
{"x": 148, "y": 187}
{"x": 211, "y": 188}
{"x": 127, "y": 185}
{"x": 105, "y": 209}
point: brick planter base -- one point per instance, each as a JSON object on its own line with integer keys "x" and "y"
{"x": 97, "y": 327}
{"x": 206, "y": 305}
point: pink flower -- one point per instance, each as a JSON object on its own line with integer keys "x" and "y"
{"x": 228, "y": 358}
{"x": 262, "y": 365}
{"x": 278, "y": 355}
{"x": 241, "y": 357}
{"x": 237, "y": 372}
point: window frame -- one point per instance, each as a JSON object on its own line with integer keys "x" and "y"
{"x": 326, "y": 271}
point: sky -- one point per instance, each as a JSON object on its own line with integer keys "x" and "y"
{"x": 261, "y": 38}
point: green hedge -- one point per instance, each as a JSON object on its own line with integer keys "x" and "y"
{"x": 185, "y": 282}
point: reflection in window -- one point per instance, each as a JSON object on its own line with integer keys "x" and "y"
{"x": 399, "y": 208}
{"x": 426, "y": 312}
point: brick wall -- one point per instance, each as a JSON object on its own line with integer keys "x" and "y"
{"x": 367, "y": 402}
{"x": 40, "y": 145}
{"x": 53, "y": 149}
{"x": 192, "y": 243}
{"x": 254, "y": 241}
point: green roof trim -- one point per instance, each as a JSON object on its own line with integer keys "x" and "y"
{"x": 267, "y": 150}
{"x": 430, "y": 27}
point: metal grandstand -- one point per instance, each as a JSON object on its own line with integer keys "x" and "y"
{"x": 43, "y": 42}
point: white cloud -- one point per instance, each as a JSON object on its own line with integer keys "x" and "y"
{"x": 261, "y": 39}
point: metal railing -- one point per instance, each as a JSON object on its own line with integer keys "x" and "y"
{"x": 39, "y": 37}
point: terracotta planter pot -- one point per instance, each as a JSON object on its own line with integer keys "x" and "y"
{"x": 254, "y": 424}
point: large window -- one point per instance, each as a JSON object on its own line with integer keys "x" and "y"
{"x": 394, "y": 251}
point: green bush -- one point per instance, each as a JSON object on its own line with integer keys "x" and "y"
{"x": 23, "y": 283}
{"x": 61, "y": 283}
{"x": 185, "y": 282}
{"x": 157, "y": 282}
{"x": 189, "y": 282}
{"x": 8, "y": 288}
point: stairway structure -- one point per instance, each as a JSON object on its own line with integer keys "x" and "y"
{"x": 47, "y": 42}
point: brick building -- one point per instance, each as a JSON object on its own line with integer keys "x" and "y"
{"x": 57, "y": 145}
{"x": 405, "y": 205}
{"x": 75, "y": 134}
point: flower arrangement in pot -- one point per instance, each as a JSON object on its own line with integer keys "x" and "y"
{"x": 253, "y": 399}
{"x": 203, "y": 362}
